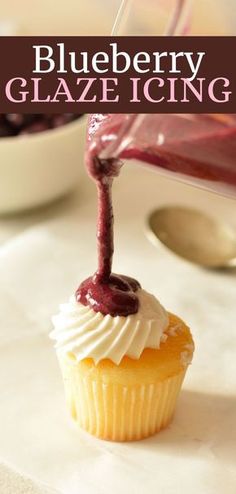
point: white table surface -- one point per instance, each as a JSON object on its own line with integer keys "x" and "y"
{"x": 43, "y": 257}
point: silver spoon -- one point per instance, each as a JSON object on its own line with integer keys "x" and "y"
{"x": 194, "y": 235}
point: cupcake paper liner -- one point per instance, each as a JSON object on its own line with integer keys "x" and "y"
{"x": 117, "y": 412}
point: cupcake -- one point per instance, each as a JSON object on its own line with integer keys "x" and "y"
{"x": 122, "y": 374}
{"x": 123, "y": 357}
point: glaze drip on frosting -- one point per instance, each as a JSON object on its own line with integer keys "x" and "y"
{"x": 88, "y": 334}
{"x": 116, "y": 297}
{"x": 106, "y": 292}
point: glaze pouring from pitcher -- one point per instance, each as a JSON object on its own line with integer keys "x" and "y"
{"x": 106, "y": 292}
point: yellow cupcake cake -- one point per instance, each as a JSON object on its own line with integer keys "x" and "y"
{"x": 122, "y": 375}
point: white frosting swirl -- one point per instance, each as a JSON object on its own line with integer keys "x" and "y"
{"x": 85, "y": 333}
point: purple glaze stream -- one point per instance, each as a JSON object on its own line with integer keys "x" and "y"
{"x": 106, "y": 292}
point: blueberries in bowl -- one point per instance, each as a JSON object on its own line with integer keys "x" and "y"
{"x": 17, "y": 124}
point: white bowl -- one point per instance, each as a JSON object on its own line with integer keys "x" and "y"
{"x": 38, "y": 168}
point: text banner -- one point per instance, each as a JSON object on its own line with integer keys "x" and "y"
{"x": 117, "y": 74}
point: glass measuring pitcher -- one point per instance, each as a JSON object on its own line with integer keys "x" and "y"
{"x": 175, "y": 17}
{"x": 200, "y": 149}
